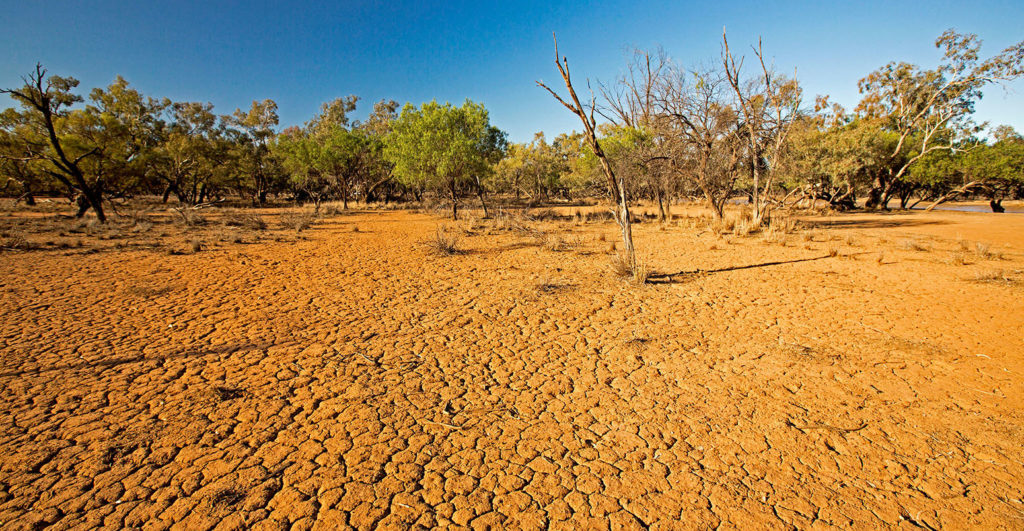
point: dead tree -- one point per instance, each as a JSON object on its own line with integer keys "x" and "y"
{"x": 616, "y": 185}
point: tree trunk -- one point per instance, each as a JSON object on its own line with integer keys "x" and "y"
{"x": 455, "y": 200}
{"x": 661, "y": 203}
{"x": 480, "y": 194}
{"x": 997, "y": 206}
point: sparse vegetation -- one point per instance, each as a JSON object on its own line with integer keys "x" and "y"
{"x": 444, "y": 242}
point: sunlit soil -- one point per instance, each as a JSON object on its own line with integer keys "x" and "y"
{"x": 853, "y": 369}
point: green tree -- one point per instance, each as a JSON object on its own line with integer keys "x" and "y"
{"x": 253, "y": 131}
{"x": 46, "y": 121}
{"x": 442, "y": 147}
{"x": 931, "y": 108}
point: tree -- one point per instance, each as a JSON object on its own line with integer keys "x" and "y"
{"x": 46, "y": 114}
{"x": 703, "y": 128}
{"x": 616, "y": 186}
{"x": 441, "y": 147}
{"x": 931, "y": 108}
{"x": 253, "y": 132}
{"x": 769, "y": 105}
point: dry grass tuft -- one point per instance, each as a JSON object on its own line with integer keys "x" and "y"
{"x": 298, "y": 221}
{"x": 245, "y": 220}
{"x": 997, "y": 277}
{"x": 983, "y": 251}
{"x": 833, "y": 251}
{"x": 915, "y": 245}
{"x": 637, "y": 271}
{"x": 557, "y": 243}
{"x": 957, "y": 258}
{"x": 444, "y": 243}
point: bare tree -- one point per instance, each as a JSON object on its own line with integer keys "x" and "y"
{"x": 769, "y": 105}
{"x": 703, "y": 130}
{"x": 616, "y": 186}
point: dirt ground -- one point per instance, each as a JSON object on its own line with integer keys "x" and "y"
{"x": 860, "y": 370}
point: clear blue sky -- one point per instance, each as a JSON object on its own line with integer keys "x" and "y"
{"x": 230, "y": 53}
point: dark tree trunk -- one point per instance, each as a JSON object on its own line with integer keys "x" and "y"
{"x": 455, "y": 201}
{"x": 997, "y": 206}
{"x": 480, "y": 194}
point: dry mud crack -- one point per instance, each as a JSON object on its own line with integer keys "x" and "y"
{"x": 352, "y": 380}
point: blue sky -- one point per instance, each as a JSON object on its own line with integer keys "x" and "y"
{"x": 230, "y": 53}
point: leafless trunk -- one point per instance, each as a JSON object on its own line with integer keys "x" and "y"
{"x": 616, "y": 186}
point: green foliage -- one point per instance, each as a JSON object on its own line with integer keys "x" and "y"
{"x": 443, "y": 147}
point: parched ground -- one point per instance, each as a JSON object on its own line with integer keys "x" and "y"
{"x": 346, "y": 377}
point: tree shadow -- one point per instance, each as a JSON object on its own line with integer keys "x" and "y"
{"x": 685, "y": 276}
{"x": 105, "y": 364}
{"x": 891, "y": 220}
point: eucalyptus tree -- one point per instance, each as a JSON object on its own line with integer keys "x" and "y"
{"x": 48, "y": 136}
{"x": 703, "y": 131}
{"x": 932, "y": 108}
{"x": 252, "y": 133}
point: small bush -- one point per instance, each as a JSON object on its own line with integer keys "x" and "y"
{"x": 18, "y": 242}
{"x": 444, "y": 243}
{"x": 995, "y": 277}
{"x": 914, "y": 245}
{"x": 298, "y": 221}
{"x": 637, "y": 271}
{"x": 833, "y": 251}
{"x": 957, "y": 258}
{"x": 251, "y": 221}
{"x": 190, "y": 217}
{"x": 195, "y": 245}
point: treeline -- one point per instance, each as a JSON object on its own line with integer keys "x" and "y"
{"x": 121, "y": 143}
{"x": 734, "y": 128}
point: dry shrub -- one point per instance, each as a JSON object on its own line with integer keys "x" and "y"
{"x": 983, "y": 251}
{"x": 245, "y": 220}
{"x": 638, "y": 271}
{"x": 880, "y": 259}
{"x": 957, "y": 258}
{"x": 444, "y": 243}
{"x": 195, "y": 245}
{"x": 807, "y": 236}
{"x": 18, "y": 242}
{"x": 355, "y": 228}
{"x": 914, "y": 245}
{"x": 298, "y": 221}
{"x": 833, "y": 251}
{"x": 190, "y": 217}
{"x": 996, "y": 277}
{"x": 850, "y": 241}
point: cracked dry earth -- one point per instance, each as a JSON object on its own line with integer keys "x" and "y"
{"x": 353, "y": 380}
